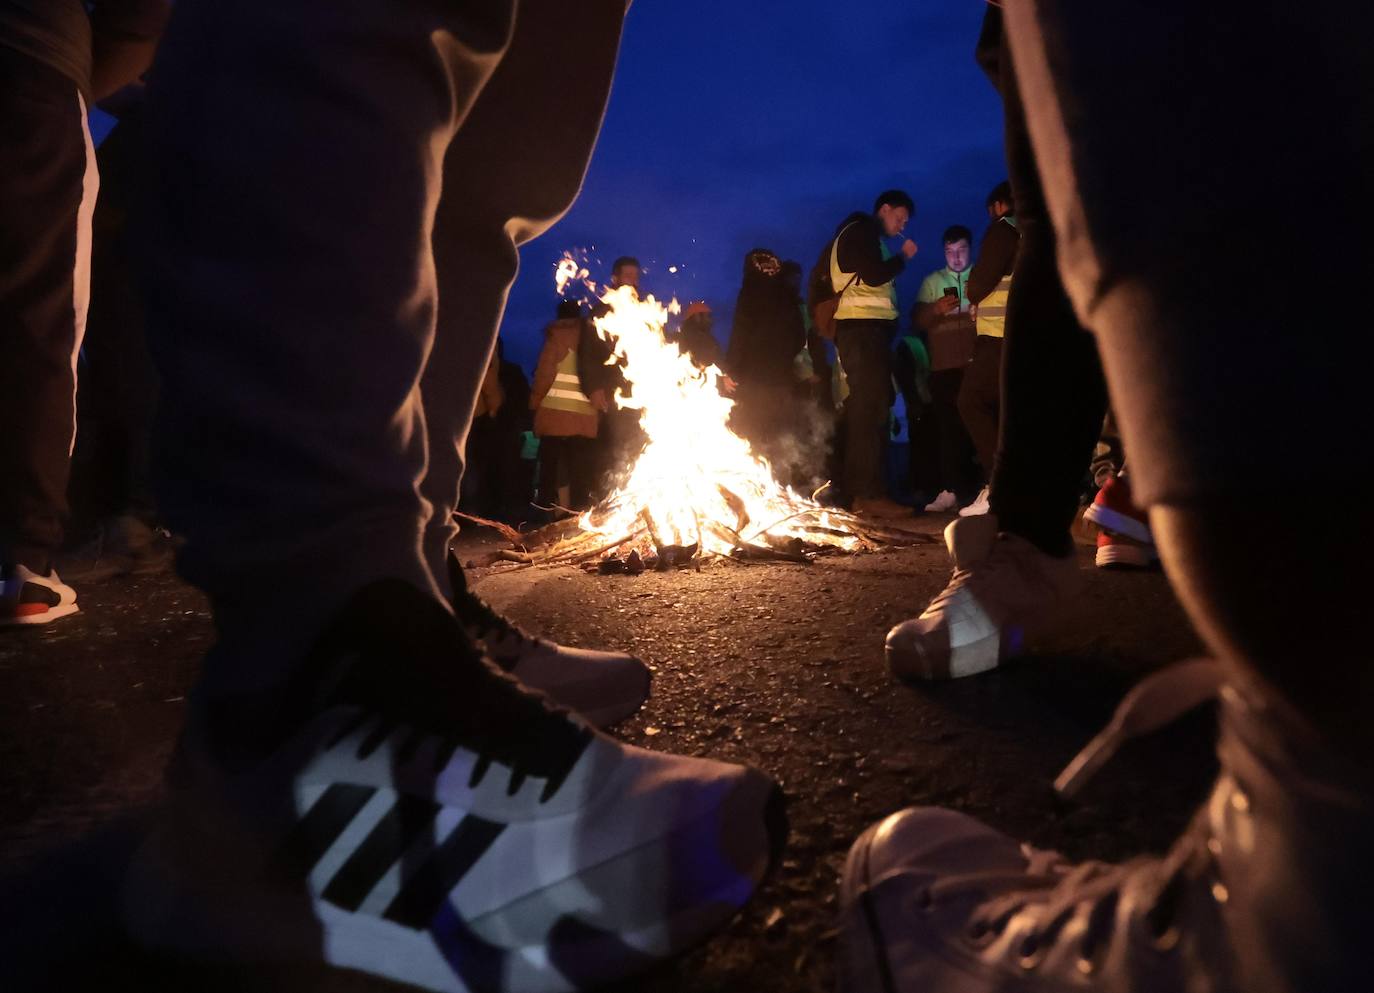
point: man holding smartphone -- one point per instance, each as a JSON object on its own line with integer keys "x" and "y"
{"x": 943, "y": 314}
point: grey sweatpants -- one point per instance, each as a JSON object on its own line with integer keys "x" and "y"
{"x": 339, "y": 192}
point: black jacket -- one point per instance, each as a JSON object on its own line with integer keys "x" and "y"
{"x": 861, "y": 251}
{"x": 695, "y": 338}
{"x": 593, "y": 353}
{"x": 768, "y": 331}
{"x": 996, "y": 258}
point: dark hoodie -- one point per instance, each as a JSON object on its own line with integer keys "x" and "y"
{"x": 769, "y": 330}
{"x": 861, "y": 251}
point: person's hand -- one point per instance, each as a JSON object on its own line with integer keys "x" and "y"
{"x": 946, "y": 305}
{"x": 908, "y": 248}
{"x": 598, "y": 399}
{"x": 728, "y": 386}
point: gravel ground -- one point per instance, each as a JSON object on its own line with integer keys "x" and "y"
{"x": 777, "y": 665}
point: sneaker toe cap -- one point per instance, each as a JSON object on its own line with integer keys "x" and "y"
{"x": 604, "y": 687}
{"x": 919, "y": 649}
{"x": 895, "y": 927}
{"x": 928, "y": 843}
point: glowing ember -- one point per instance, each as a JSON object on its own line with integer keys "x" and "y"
{"x": 571, "y": 270}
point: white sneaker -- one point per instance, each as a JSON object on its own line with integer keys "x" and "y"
{"x": 1266, "y": 892}
{"x": 979, "y": 506}
{"x": 28, "y": 598}
{"x": 604, "y": 687}
{"x": 1003, "y": 590}
{"x": 942, "y": 504}
{"x": 436, "y": 824}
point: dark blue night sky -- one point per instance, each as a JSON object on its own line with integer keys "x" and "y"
{"x": 737, "y": 124}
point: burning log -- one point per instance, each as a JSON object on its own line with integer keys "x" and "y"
{"x": 737, "y": 505}
{"x": 696, "y": 491}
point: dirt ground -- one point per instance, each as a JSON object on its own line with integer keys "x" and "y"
{"x": 777, "y": 665}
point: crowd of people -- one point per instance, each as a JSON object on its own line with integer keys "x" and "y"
{"x": 381, "y": 773}
{"x": 815, "y": 401}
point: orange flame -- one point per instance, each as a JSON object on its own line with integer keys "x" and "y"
{"x": 695, "y": 481}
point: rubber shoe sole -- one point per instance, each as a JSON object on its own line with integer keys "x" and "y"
{"x": 1124, "y": 555}
{"x": 1118, "y": 523}
{"x": 45, "y": 615}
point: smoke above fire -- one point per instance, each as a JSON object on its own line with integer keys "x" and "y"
{"x": 695, "y": 483}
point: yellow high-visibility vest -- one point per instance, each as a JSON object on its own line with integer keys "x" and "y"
{"x": 566, "y": 391}
{"x": 861, "y": 301}
{"x": 991, "y": 312}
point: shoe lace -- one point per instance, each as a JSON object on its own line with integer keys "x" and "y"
{"x": 449, "y": 694}
{"x": 504, "y": 641}
{"x": 1053, "y": 889}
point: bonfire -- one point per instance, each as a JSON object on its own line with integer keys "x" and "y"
{"x": 696, "y": 491}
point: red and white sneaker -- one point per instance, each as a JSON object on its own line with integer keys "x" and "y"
{"x": 1115, "y": 551}
{"x": 1126, "y": 539}
{"x": 28, "y": 598}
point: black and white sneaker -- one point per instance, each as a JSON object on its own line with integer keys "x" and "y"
{"x": 28, "y": 598}
{"x": 604, "y": 687}
{"x": 435, "y": 823}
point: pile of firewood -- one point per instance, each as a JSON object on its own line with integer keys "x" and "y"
{"x": 800, "y": 537}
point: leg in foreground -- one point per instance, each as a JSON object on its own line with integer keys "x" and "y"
{"x": 1266, "y": 890}
{"x": 357, "y": 784}
{"x": 48, "y": 187}
{"x": 1015, "y": 570}
{"x": 492, "y": 204}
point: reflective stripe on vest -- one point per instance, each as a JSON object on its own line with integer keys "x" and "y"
{"x": 566, "y": 392}
{"x": 991, "y": 316}
{"x": 992, "y": 312}
{"x": 861, "y": 301}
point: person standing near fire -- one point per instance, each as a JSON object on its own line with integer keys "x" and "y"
{"x": 57, "y": 58}
{"x": 944, "y": 316}
{"x": 767, "y": 333}
{"x": 565, "y": 421}
{"x": 620, "y": 436}
{"x": 989, "y": 286}
{"x": 864, "y": 271}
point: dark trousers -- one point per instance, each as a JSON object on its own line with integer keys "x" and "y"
{"x": 321, "y": 333}
{"x": 618, "y": 444}
{"x": 118, "y": 390}
{"x": 48, "y": 187}
{"x": 1162, "y": 131}
{"x": 573, "y": 458}
{"x": 980, "y": 399}
{"x": 1052, "y": 392}
{"x": 766, "y": 415}
{"x": 957, "y": 472}
{"x": 865, "y": 349}
{"x": 923, "y": 445}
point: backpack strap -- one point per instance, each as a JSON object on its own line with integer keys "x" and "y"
{"x": 835, "y": 255}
